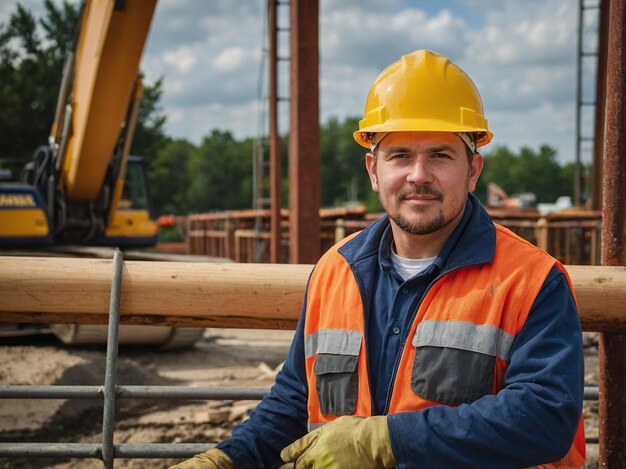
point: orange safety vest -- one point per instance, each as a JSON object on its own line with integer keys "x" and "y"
{"x": 460, "y": 337}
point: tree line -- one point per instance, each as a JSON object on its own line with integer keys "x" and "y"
{"x": 216, "y": 174}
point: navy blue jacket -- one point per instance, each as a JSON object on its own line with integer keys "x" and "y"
{"x": 532, "y": 420}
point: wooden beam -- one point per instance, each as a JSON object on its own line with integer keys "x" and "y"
{"x": 65, "y": 290}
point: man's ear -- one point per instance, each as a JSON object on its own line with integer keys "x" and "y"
{"x": 476, "y": 166}
{"x": 370, "y": 165}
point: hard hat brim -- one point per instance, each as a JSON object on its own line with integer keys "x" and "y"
{"x": 420, "y": 126}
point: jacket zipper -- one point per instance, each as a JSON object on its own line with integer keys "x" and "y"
{"x": 419, "y": 304}
{"x": 365, "y": 328}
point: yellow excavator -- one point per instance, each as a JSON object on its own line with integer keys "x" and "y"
{"x": 83, "y": 187}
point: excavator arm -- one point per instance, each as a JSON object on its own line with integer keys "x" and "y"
{"x": 74, "y": 185}
{"x": 108, "y": 51}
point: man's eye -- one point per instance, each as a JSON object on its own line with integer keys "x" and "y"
{"x": 399, "y": 155}
{"x": 440, "y": 155}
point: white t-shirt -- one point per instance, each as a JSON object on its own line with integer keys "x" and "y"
{"x": 408, "y": 268}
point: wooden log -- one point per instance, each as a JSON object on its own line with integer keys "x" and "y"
{"x": 71, "y": 290}
{"x": 66, "y": 290}
{"x": 601, "y": 295}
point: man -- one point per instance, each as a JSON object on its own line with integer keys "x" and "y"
{"x": 433, "y": 338}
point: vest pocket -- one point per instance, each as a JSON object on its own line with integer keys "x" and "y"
{"x": 451, "y": 376}
{"x": 336, "y": 382}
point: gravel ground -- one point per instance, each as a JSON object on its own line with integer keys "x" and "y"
{"x": 223, "y": 358}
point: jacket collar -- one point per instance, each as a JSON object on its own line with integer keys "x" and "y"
{"x": 471, "y": 243}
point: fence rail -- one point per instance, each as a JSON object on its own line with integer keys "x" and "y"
{"x": 572, "y": 236}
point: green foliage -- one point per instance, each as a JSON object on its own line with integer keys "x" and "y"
{"x": 343, "y": 173}
{"x": 217, "y": 174}
{"x": 220, "y": 172}
{"x": 168, "y": 177}
{"x": 171, "y": 234}
{"x": 527, "y": 171}
{"x": 32, "y": 54}
{"x": 149, "y": 135}
{"x": 31, "y": 62}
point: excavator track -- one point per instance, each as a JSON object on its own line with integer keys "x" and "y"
{"x": 166, "y": 338}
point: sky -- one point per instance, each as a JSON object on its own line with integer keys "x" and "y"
{"x": 521, "y": 55}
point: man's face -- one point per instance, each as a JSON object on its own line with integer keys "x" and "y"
{"x": 422, "y": 179}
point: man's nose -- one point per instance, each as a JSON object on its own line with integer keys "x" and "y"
{"x": 420, "y": 172}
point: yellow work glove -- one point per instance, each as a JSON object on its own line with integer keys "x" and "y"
{"x": 348, "y": 442}
{"x": 211, "y": 459}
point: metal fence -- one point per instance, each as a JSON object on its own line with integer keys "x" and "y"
{"x": 107, "y": 451}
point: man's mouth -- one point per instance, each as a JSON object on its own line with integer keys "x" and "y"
{"x": 421, "y": 194}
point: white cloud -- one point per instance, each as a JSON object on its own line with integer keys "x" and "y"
{"x": 182, "y": 59}
{"x": 524, "y": 33}
{"x": 230, "y": 59}
{"x": 196, "y": 122}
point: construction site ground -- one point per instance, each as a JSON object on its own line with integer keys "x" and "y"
{"x": 225, "y": 357}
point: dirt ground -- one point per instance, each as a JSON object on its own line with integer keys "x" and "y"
{"x": 225, "y": 357}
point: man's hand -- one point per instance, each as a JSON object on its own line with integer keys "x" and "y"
{"x": 348, "y": 442}
{"x": 211, "y": 459}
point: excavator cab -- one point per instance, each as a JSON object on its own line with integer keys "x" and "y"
{"x": 132, "y": 223}
{"x": 27, "y": 218}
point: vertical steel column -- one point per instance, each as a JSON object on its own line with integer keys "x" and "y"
{"x": 579, "y": 94}
{"x": 598, "y": 141}
{"x": 612, "y": 346}
{"x": 304, "y": 144}
{"x": 275, "y": 160}
{"x": 110, "y": 377}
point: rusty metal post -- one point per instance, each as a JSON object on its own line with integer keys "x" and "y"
{"x": 579, "y": 93}
{"x": 304, "y": 145}
{"x": 598, "y": 140}
{"x": 275, "y": 173}
{"x": 612, "y": 346}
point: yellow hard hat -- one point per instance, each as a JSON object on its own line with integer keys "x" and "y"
{"x": 423, "y": 91}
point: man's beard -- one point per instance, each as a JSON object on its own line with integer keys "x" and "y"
{"x": 420, "y": 228}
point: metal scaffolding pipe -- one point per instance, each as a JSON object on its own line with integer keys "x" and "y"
{"x": 612, "y": 346}
{"x": 40, "y": 450}
{"x": 178, "y": 392}
{"x": 590, "y": 393}
{"x": 49, "y": 392}
{"x": 579, "y": 87}
{"x": 110, "y": 377}
{"x": 275, "y": 158}
{"x": 94, "y": 450}
{"x": 129, "y": 392}
{"x": 156, "y": 392}
{"x": 161, "y": 450}
{"x": 598, "y": 139}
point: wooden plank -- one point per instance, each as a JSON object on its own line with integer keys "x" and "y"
{"x": 69, "y": 290}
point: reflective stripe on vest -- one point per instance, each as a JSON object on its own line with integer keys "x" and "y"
{"x": 335, "y": 341}
{"x": 460, "y": 338}
{"x": 485, "y": 339}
